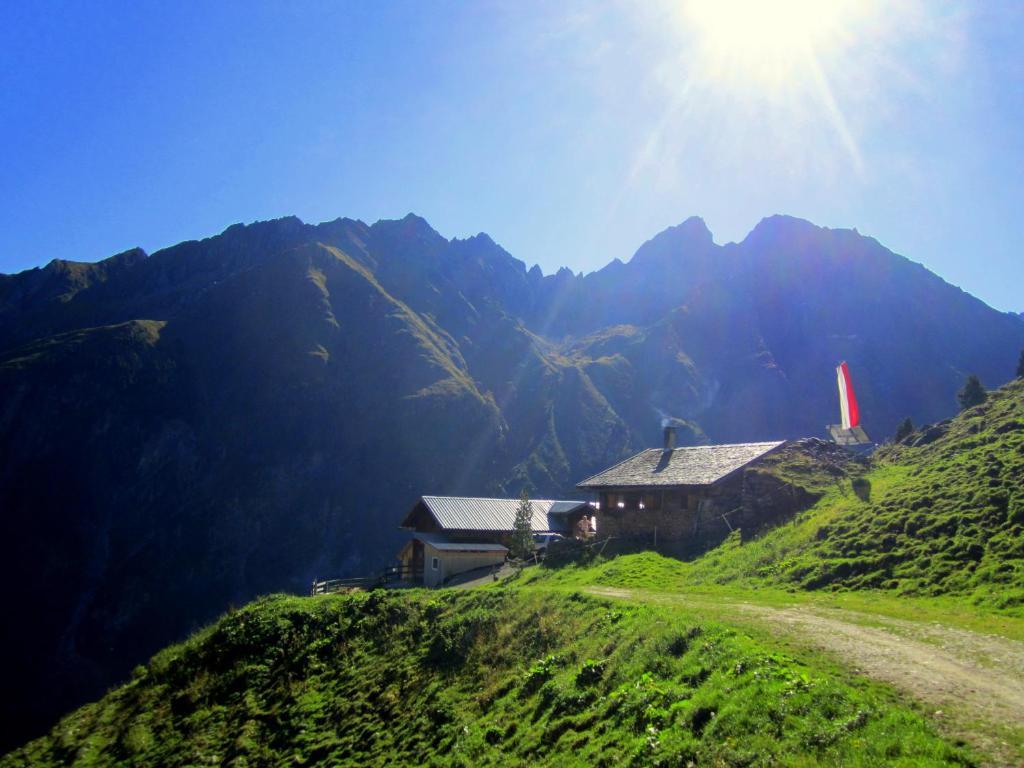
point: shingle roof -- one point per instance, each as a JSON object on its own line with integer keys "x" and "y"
{"x": 464, "y": 513}
{"x": 699, "y": 465}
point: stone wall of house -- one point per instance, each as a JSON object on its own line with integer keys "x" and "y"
{"x": 757, "y": 500}
{"x": 630, "y": 524}
{"x": 749, "y": 502}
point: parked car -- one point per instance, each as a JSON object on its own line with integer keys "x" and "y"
{"x": 541, "y": 540}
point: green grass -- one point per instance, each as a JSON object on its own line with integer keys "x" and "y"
{"x": 770, "y": 558}
{"x": 536, "y": 672}
{"x": 946, "y": 518}
{"x": 943, "y": 519}
{"x": 510, "y": 676}
{"x": 652, "y": 574}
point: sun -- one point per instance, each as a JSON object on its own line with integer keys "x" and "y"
{"x": 767, "y": 42}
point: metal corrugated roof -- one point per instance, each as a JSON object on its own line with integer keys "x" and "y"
{"x": 466, "y": 513}
{"x": 699, "y": 465}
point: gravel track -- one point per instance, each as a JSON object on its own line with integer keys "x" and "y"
{"x": 971, "y": 684}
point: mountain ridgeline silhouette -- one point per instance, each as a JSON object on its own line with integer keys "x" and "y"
{"x": 234, "y": 416}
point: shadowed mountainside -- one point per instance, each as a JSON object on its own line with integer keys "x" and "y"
{"x": 237, "y": 415}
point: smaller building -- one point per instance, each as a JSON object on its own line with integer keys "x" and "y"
{"x": 432, "y": 559}
{"x": 456, "y": 534}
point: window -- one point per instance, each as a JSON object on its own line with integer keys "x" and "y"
{"x": 435, "y": 563}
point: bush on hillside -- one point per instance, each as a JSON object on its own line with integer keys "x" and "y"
{"x": 972, "y": 394}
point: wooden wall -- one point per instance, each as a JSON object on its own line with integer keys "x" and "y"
{"x": 453, "y": 563}
{"x": 747, "y": 501}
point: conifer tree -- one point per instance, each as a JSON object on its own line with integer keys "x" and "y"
{"x": 972, "y": 394}
{"x": 904, "y": 430}
{"x": 522, "y": 529}
{"x": 1020, "y": 365}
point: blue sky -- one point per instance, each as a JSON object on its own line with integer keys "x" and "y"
{"x": 570, "y": 134}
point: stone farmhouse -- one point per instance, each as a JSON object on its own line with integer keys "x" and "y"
{"x": 685, "y": 495}
{"x": 675, "y": 499}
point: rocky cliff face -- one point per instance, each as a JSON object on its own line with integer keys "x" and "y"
{"x": 238, "y": 415}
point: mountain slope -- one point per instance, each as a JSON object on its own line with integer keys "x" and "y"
{"x": 940, "y": 514}
{"x": 238, "y": 415}
{"x": 270, "y": 427}
{"x": 951, "y": 520}
{"x": 766, "y": 320}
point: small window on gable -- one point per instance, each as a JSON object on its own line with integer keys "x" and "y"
{"x": 435, "y": 563}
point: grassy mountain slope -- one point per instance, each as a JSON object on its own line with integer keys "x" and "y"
{"x": 492, "y": 677}
{"x": 942, "y": 517}
{"x": 234, "y": 416}
{"x": 156, "y": 471}
{"x": 947, "y": 519}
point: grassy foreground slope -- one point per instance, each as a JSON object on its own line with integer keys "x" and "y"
{"x": 503, "y": 676}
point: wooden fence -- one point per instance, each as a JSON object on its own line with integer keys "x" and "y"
{"x": 391, "y": 575}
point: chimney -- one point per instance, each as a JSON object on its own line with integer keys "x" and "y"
{"x": 670, "y": 438}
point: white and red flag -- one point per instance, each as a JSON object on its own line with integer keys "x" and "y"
{"x": 850, "y": 431}
{"x": 847, "y": 399}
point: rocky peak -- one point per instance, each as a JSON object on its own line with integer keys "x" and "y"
{"x": 128, "y": 258}
{"x": 409, "y": 233}
{"x": 671, "y": 245}
{"x": 780, "y": 227}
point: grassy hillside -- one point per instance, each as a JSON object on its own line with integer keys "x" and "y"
{"x": 943, "y": 517}
{"x": 492, "y": 677}
{"x": 238, "y": 415}
{"x": 520, "y": 675}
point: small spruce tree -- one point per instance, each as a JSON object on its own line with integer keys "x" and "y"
{"x": 522, "y": 529}
{"x": 904, "y": 430}
{"x": 1020, "y": 365}
{"x": 972, "y": 393}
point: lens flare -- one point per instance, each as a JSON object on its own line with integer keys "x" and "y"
{"x": 767, "y": 42}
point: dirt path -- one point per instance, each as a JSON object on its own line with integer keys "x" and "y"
{"x": 972, "y": 684}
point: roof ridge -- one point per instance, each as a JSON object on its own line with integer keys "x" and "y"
{"x": 496, "y": 498}
{"x": 721, "y": 445}
{"x": 694, "y": 465}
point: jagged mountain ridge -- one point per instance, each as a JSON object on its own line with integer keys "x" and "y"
{"x": 239, "y": 414}
{"x": 796, "y": 296}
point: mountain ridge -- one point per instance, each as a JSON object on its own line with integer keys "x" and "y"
{"x": 240, "y": 414}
